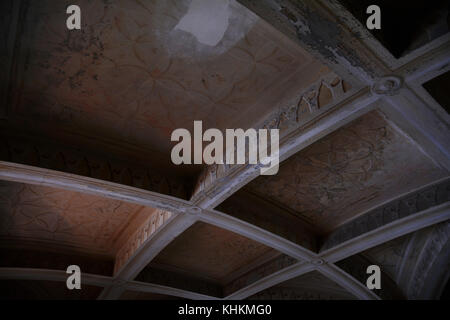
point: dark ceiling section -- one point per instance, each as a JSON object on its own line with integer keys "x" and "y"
{"x": 136, "y": 295}
{"x": 438, "y": 88}
{"x": 310, "y": 286}
{"x": 25, "y": 258}
{"x": 405, "y": 24}
{"x": 357, "y": 266}
{"x": 180, "y": 281}
{"x": 206, "y": 259}
{"x": 44, "y": 290}
{"x": 446, "y": 294}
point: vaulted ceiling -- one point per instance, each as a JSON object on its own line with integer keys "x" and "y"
{"x": 86, "y": 176}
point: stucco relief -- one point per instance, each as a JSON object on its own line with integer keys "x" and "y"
{"x": 302, "y": 108}
{"x": 409, "y": 204}
{"x": 348, "y": 172}
{"x": 143, "y": 232}
{"x": 74, "y": 220}
{"x": 129, "y": 75}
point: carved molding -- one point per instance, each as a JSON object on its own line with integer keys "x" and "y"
{"x": 142, "y": 255}
{"x": 153, "y": 223}
{"x": 405, "y": 206}
{"x": 309, "y": 104}
{"x": 157, "y": 241}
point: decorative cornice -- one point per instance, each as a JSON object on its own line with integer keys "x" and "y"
{"x": 153, "y": 223}
{"x": 405, "y": 206}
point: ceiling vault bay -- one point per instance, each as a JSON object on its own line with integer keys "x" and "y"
{"x": 85, "y": 155}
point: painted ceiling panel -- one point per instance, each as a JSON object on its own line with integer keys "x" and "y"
{"x": 102, "y": 102}
{"x": 67, "y": 219}
{"x": 348, "y": 172}
{"x": 129, "y": 76}
{"x": 205, "y": 251}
